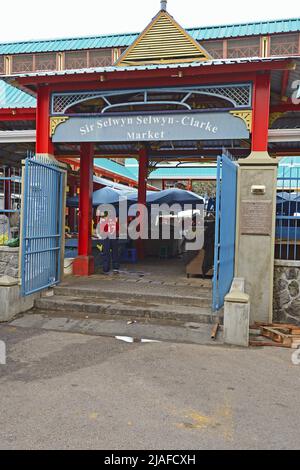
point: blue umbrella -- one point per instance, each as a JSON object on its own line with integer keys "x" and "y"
{"x": 107, "y": 196}
{"x": 171, "y": 196}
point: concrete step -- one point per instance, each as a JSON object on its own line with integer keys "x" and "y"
{"x": 129, "y": 309}
{"x": 153, "y": 294}
{"x": 69, "y": 322}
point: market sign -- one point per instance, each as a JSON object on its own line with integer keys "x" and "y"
{"x": 152, "y": 127}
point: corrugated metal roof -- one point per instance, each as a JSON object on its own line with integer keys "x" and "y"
{"x": 11, "y": 97}
{"x": 114, "y": 167}
{"x": 174, "y": 172}
{"x": 182, "y": 173}
{"x": 125, "y": 40}
{"x": 246, "y": 29}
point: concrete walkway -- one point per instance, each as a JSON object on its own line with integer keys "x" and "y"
{"x": 71, "y": 391}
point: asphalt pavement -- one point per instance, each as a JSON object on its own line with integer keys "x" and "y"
{"x": 64, "y": 390}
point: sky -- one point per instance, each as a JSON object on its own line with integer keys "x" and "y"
{"x": 38, "y": 19}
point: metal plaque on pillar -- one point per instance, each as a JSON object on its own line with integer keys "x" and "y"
{"x": 256, "y": 218}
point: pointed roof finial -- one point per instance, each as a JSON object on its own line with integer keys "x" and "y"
{"x": 163, "y": 4}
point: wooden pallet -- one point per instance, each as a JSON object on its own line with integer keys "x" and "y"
{"x": 284, "y": 334}
{"x": 287, "y": 327}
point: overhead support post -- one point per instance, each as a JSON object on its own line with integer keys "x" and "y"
{"x": 261, "y": 112}
{"x": 43, "y": 140}
{"x": 142, "y": 195}
{"x": 84, "y": 264}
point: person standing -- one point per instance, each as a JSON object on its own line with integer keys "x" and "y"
{"x": 109, "y": 233}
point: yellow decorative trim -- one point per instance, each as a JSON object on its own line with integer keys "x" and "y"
{"x": 163, "y": 41}
{"x": 246, "y": 116}
{"x": 56, "y": 121}
{"x": 274, "y": 117}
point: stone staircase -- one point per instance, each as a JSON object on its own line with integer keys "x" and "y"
{"x": 131, "y": 299}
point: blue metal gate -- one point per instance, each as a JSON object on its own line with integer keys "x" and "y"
{"x": 41, "y": 223}
{"x": 225, "y": 230}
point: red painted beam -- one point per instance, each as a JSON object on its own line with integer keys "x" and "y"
{"x": 149, "y": 82}
{"x": 24, "y": 114}
{"x": 285, "y": 107}
{"x": 261, "y": 112}
{"x": 177, "y": 73}
{"x": 43, "y": 141}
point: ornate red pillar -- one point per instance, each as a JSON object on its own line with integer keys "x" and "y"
{"x": 142, "y": 193}
{"x": 261, "y": 112}
{"x": 43, "y": 139}
{"x": 84, "y": 264}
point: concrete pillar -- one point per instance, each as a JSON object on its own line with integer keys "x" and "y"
{"x": 256, "y": 218}
{"x": 237, "y": 315}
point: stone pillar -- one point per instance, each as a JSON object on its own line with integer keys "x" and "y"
{"x": 287, "y": 291}
{"x": 256, "y": 217}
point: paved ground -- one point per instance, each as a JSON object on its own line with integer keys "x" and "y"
{"x": 66, "y": 390}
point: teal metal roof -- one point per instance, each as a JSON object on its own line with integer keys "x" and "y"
{"x": 114, "y": 167}
{"x": 174, "y": 172}
{"x": 11, "y": 97}
{"x": 124, "y": 40}
{"x": 182, "y": 173}
{"x": 246, "y": 29}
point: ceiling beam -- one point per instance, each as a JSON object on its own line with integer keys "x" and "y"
{"x": 18, "y": 114}
{"x": 214, "y": 69}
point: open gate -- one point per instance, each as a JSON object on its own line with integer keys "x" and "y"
{"x": 225, "y": 232}
{"x": 42, "y": 223}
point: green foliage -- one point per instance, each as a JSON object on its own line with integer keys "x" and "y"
{"x": 205, "y": 188}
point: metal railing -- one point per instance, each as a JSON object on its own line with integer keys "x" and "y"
{"x": 10, "y": 202}
{"x": 287, "y": 244}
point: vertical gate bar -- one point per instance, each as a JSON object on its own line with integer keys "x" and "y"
{"x": 24, "y": 227}
{"x": 29, "y": 257}
{"x": 52, "y": 216}
{"x": 281, "y": 214}
{"x": 217, "y": 239}
{"x": 297, "y": 212}
{"x": 60, "y": 224}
